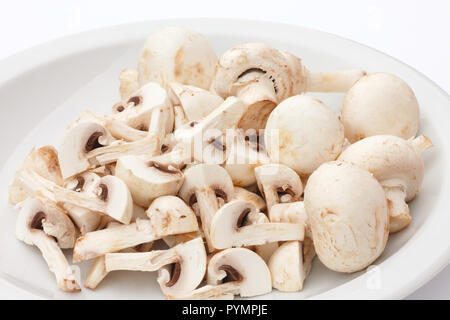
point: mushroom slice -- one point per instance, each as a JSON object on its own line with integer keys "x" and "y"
{"x": 380, "y": 103}
{"x": 303, "y": 133}
{"x": 227, "y": 229}
{"x": 111, "y": 197}
{"x": 293, "y": 212}
{"x": 168, "y": 215}
{"x": 148, "y": 179}
{"x": 348, "y": 213}
{"x": 290, "y": 264}
{"x": 204, "y": 184}
{"x": 196, "y": 103}
{"x": 263, "y": 77}
{"x": 42, "y": 161}
{"x": 47, "y": 228}
{"x": 236, "y": 271}
{"x": 278, "y": 184}
{"x": 187, "y": 262}
{"x": 128, "y": 83}
{"x": 396, "y": 163}
{"x": 177, "y": 54}
{"x": 244, "y": 155}
{"x": 253, "y": 198}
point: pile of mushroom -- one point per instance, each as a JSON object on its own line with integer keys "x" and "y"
{"x": 223, "y": 175}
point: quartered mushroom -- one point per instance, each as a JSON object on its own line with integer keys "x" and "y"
{"x": 186, "y": 265}
{"x": 380, "y": 103}
{"x": 348, "y": 213}
{"x": 278, "y": 184}
{"x": 293, "y": 212}
{"x": 111, "y": 197}
{"x": 396, "y": 163}
{"x": 196, "y": 103}
{"x": 263, "y": 77}
{"x": 228, "y": 230}
{"x": 167, "y": 215}
{"x": 177, "y": 54}
{"x": 148, "y": 179}
{"x": 44, "y": 162}
{"x": 204, "y": 185}
{"x": 303, "y": 133}
{"x": 236, "y": 271}
{"x": 253, "y": 198}
{"x": 48, "y": 228}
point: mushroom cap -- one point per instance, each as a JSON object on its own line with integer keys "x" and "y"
{"x": 36, "y": 216}
{"x": 286, "y": 267}
{"x": 148, "y": 180}
{"x": 253, "y": 271}
{"x": 81, "y": 138}
{"x": 177, "y": 54}
{"x": 393, "y": 161}
{"x": 348, "y": 214}
{"x": 303, "y": 133}
{"x": 167, "y": 213}
{"x": 197, "y": 103}
{"x": 191, "y": 271}
{"x": 284, "y": 70}
{"x": 380, "y": 103}
{"x": 146, "y": 100}
{"x": 118, "y": 198}
{"x": 204, "y": 177}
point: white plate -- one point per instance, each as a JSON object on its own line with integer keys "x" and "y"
{"x": 45, "y": 88}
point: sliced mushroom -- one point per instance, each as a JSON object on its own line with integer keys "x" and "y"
{"x": 227, "y": 229}
{"x": 396, "y": 163}
{"x": 177, "y": 54}
{"x": 303, "y": 133}
{"x": 49, "y": 229}
{"x": 236, "y": 271}
{"x": 42, "y": 161}
{"x": 278, "y": 184}
{"x": 128, "y": 84}
{"x": 348, "y": 213}
{"x": 168, "y": 215}
{"x": 111, "y": 197}
{"x": 187, "y": 262}
{"x": 148, "y": 179}
{"x": 204, "y": 184}
{"x": 380, "y": 103}
{"x": 263, "y": 77}
{"x": 253, "y": 198}
{"x": 196, "y": 103}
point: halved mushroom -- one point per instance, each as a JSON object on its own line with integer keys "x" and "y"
{"x": 204, "y": 184}
{"x": 263, "y": 77}
{"x": 303, "y": 133}
{"x": 42, "y": 161}
{"x": 187, "y": 262}
{"x": 253, "y": 198}
{"x": 111, "y": 197}
{"x": 227, "y": 229}
{"x": 278, "y": 184}
{"x": 148, "y": 179}
{"x": 48, "y": 228}
{"x": 236, "y": 271}
{"x": 128, "y": 84}
{"x": 196, "y": 103}
{"x": 348, "y": 213}
{"x": 396, "y": 163}
{"x": 167, "y": 215}
{"x": 177, "y": 54}
{"x": 380, "y": 103}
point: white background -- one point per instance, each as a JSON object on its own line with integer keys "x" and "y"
{"x": 416, "y": 32}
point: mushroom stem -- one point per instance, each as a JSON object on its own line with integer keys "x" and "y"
{"x": 38, "y": 184}
{"x": 332, "y": 81}
{"x": 399, "y": 217}
{"x": 142, "y": 261}
{"x": 421, "y": 143}
{"x": 121, "y": 130}
{"x": 179, "y": 117}
{"x": 56, "y": 261}
{"x": 96, "y": 274}
{"x": 208, "y": 205}
{"x": 109, "y": 154}
{"x": 227, "y": 289}
{"x": 80, "y": 199}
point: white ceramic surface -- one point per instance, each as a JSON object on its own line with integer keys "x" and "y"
{"x": 45, "y": 88}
